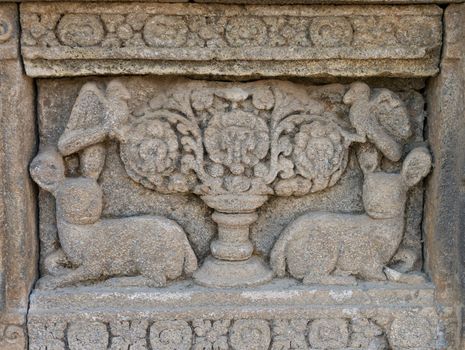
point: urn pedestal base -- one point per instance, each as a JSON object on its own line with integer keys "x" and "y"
{"x": 222, "y": 273}
{"x": 231, "y": 263}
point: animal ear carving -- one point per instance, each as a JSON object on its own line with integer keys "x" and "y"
{"x": 380, "y": 117}
{"x": 48, "y": 170}
{"x": 416, "y": 166}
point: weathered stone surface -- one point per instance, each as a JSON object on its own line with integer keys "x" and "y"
{"x": 239, "y": 144}
{"x": 18, "y": 250}
{"x": 206, "y": 214}
{"x": 84, "y": 38}
{"x": 147, "y": 143}
{"x": 444, "y": 219}
{"x": 281, "y": 315}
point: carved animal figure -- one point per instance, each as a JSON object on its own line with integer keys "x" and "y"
{"x": 323, "y": 247}
{"x": 381, "y": 117}
{"x": 153, "y": 247}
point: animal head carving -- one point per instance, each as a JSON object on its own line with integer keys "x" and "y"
{"x": 385, "y": 194}
{"x": 79, "y": 200}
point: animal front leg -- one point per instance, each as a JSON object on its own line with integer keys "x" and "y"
{"x": 82, "y": 273}
{"x": 154, "y": 272}
{"x": 373, "y": 273}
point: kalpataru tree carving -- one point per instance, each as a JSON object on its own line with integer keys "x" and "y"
{"x": 234, "y": 145}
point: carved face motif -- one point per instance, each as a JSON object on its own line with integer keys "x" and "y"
{"x": 237, "y": 140}
{"x": 318, "y": 151}
{"x": 152, "y": 147}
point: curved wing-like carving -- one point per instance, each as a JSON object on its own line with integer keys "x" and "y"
{"x": 95, "y": 113}
{"x": 85, "y": 124}
{"x": 95, "y": 116}
{"x": 381, "y": 117}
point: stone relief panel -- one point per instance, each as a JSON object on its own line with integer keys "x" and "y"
{"x": 233, "y": 146}
{"x": 64, "y": 35}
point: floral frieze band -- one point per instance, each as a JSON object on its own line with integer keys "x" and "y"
{"x": 193, "y": 34}
{"x": 241, "y": 334}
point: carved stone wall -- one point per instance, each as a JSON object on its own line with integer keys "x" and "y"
{"x": 214, "y": 176}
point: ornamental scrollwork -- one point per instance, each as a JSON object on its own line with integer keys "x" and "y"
{"x": 232, "y": 140}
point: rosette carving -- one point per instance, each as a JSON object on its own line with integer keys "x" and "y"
{"x": 151, "y": 150}
{"x": 328, "y": 333}
{"x": 171, "y": 335}
{"x": 250, "y": 334}
{"x": 80, "y": 30}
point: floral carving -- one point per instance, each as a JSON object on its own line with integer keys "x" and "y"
{"x": 367, "y": 334}
{"x": 237, "y": 139}
{"x": 129, "y": 335}
{"x": 319, "y": 153}
{"x": 171, "y": 335}
{"x": 234, "y": 145}
{"x": 150, "y": 151}
{"x": 80, "y": 30}
{"x": 328, "y": 333}
{"x": 246, "y": 32}
{"x": 41, "y": 32}
{"x": 211, "y": 335}
{"x": 165, "y": 31}
{"x": 83, "y": 335}
{"x": 331, "y": 32}
{"x": 47, "y": 336}
{"x": 289, "y": 334}
{"x": 250, "y": 335}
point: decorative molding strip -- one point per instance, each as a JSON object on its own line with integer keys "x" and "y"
{"x": 81, "y": 38}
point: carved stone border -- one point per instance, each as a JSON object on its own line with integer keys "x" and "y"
{"x": 18, "y": 239}
{"x": 242, "y": 41}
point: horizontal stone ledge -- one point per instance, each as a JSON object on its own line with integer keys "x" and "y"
{"x": 68, "y": 39}
{"x": 234, "y": 69}
{"x": 279, "y": 294}
{"x": 181, "y": 315}
{"x": 268, "y": 2}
